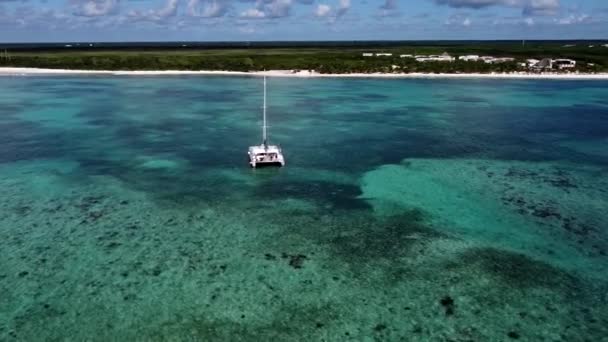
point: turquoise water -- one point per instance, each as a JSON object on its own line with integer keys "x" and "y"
{"x": 409, "y": 210}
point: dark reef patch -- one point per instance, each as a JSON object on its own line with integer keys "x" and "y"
{"x": 514, "y": 269}
{"x": 296, "y": 261}
{"x": 339, "y": 196}
{"x": 358, "y": 240}
{"x": 513, "y": 335}
{"x": 371, "y": 239}
{"x": 369, "y": 96}
{"x": 193, "y": 95}
{"x": 466, "y": 99}
{"x": 10, "y": 110}
{"x": 448, "y": 304}
{"x": 25, "y": 140}
{"x": 289, "y": 323}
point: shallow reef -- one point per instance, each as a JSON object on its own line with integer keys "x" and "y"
{"x": 122, "y": 264}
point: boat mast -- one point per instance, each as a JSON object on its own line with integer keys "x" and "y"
{"x": 264, "y": 127}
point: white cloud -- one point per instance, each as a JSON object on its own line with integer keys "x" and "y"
{"x": 253, "y": 13}
{"x": 247, "y": 30}
{"x": 459, "y": 19}
{"x": 541, "y": 7}
{"x": 156, "y": 15}
{"x": 573, "y": 19}
{"x": 477, "y": 3}
{"x": 322, "y": 10}
{"x": 210, "y": 8}
{"x": 529, "y": 7}
{"x": 169, "y": 10}
{"x": 343, "y": 7}
{"x": 332, "y": 14}
{"x": 278, "y": 8}
{"x": 95, "y": 8}
{"x": 268, "y": 9}
{"x": 388, "y": 9}
{"x": 389, "y": 5}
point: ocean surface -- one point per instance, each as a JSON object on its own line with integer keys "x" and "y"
{"x": 409, "y": 210}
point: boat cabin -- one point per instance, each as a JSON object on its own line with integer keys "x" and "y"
{"x": 265, "y": 155}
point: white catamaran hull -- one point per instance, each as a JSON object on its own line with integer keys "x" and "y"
{"x": 265, "y": 156}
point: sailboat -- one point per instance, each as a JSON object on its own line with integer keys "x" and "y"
{"x": 265, "y": 154}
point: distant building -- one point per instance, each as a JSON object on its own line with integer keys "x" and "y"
{"x": 499, "y": 60}
{"x": 548, "y": 64}
{"x": 368, "y": 54}
{"x": 532, "y": 62}
{"x": 469, "y": 58}
{"x": 563, "y": 63}
{"x": 382, "y": 54}
{"x": 545, "y": 63}
{"x": 445, "y": 57}
{"x": 406, "y": 56}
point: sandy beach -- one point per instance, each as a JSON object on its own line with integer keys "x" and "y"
{"x": 292, "y": 73}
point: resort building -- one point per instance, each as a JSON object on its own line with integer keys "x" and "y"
{"x": 469, "y": 58}
{"x": 406, "y": 56}
{"x": 494, "y": 60}
{"x": 545, "y": 63}
{"x": 563, "y": 63}
{"x": 382, "y": 54}
{"x": 368, "y": 54}
{"x": 445, "y": 57}
{"x": 548, "y": 64}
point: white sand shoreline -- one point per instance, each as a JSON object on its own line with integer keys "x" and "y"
{"x": 7, "y": 71}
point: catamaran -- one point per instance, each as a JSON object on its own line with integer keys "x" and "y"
{"x": 265, "y": 154}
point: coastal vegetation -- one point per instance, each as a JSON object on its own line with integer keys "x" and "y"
{"x": 323, "y": 59}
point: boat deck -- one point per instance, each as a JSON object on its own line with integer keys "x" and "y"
{"x": 265, "y": 155}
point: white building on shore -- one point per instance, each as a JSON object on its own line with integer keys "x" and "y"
{"x": 486, "y": 59}
{"x": 383, "y": 54}
{"x": 563, "y": 63}
{"x": 368, "y": 54}
{"x": 445, "y": 57}
{"x": 469, "y": 58}
{"x": 494, "y": 60}
{"x": 548, "y": 63}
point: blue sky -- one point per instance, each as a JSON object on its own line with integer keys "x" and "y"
{"x": 217, "y": 20}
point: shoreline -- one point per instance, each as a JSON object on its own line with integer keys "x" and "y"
{"x": 8, "y": 71}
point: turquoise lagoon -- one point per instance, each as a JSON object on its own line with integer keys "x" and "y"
{"x": 409, "y": 210}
